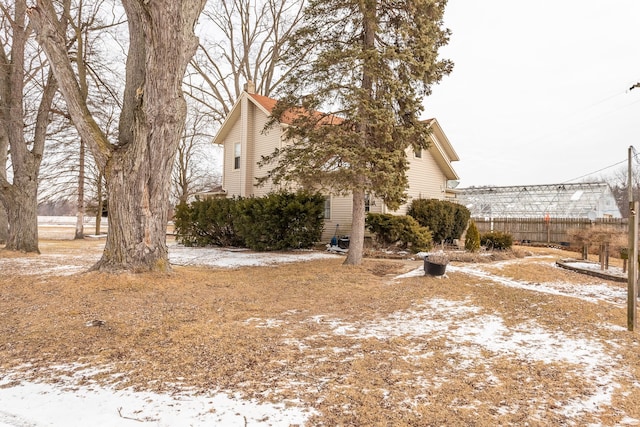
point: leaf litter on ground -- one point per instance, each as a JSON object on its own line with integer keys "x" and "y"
{"x": 237, "y": 338}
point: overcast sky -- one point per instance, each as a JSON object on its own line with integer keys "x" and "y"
{"x": 540, "y": 89}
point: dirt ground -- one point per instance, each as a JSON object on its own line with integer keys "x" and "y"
{"x": 316, "y": 334}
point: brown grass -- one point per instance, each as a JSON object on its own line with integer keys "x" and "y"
{"x": 269, "y": 333}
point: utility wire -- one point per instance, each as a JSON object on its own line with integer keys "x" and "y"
{"x": 635, "y": 157}
{"x": 635, "y": 153}
{"x": 594, "y": 172}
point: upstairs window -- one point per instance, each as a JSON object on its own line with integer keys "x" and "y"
{"x": 417, "y": 153}
{"x": 237, "y": 150}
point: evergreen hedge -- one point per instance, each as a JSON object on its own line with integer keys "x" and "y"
{"x": 446, "y": 220}
{"x": 401, "y": 231}
{"x": 275, "y": 222}
{"x": 281, "y": 220}
{"x": 208, "y": 222}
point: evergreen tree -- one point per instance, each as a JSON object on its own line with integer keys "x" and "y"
{"x": 372, "y": 64}
{"x": 472, "y": 240}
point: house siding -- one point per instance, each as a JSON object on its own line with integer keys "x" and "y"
{"x": 231, "y": 181}
{"x": 241, "y": 182}
{"x": 340, "y": 217}
{"x": 426, "y": 181}
{"x": 269, "y": 141}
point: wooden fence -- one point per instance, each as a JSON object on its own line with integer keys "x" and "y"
{"x": 539, "y": 230}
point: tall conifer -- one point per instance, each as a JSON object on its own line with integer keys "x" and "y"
{"x": 373, "y": 62}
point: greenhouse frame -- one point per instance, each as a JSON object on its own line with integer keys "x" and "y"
{"x": 592, "y": 200}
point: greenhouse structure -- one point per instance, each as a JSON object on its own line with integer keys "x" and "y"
{"x": 592, "y": 200}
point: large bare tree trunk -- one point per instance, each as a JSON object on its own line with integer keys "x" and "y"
{"x": 137, "y": 242}
{"x": 99, "y": 207}
{"x": 80, "y": 204}
{"x": 4, "y": 225}
{"x": 20, "y": 196}
{"x": 4, "y": 151}
{"x": 138, "y": 168}
{"x": 139, "y": 174}
{"x": 22, "y": 213}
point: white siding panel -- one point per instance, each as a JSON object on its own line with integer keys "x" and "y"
{"x": 231, "y": 177}
{"x": 426, "y": 180}
{"x": 267, "y": 142}
{"x": 340, "y": 216}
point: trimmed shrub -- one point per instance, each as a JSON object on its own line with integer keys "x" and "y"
{"x": 274, "y": 222}
{"x": 472, "y": 239}
{"x": 446, "y": 220}
{"x": 461, "y": 217}
{"x": 207, "y": 222}
{"x": 401, "y": 231}
{"x": 281, "y": 220}
{"x": 496, "y": 240}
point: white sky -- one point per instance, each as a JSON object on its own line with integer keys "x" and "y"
{"x": 540, "y": 89}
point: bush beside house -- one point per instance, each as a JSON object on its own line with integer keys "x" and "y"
{"x": 399, "y": 230}
{"x": 275, "y": 222}
{"x": 446, "y": 220}
{"x": 208, "y": 222}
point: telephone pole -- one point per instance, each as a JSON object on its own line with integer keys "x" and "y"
{"x": 632, "y": 275}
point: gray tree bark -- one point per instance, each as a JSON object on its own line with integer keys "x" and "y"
{"x": 4, "y": 225}
{"x": 138, "y": 168}
{"x": 4, "y": 152}
{"x": 80, "y": 202}
{"x": 19, "y": 197}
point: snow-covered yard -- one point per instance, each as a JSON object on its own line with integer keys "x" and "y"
{"x": 469, "y": 338}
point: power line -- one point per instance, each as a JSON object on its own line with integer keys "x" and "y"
{"x": 635, "y": 153}
{"x": 595, "y": 172}
{"x": 635, "y": 157}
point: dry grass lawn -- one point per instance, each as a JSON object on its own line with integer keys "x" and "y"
{"x": 312, "y": 334}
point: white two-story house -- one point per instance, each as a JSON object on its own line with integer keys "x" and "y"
{"x": 245, "y": 140}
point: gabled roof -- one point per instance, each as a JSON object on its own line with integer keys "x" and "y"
{"x": 442, "y": 150}
{"x": 267, "y": 105}
{"x": 262, "y": 102}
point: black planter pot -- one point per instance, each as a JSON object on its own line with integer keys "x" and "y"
{"x": 433, "y": 269}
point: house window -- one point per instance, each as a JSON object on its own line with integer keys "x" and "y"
{"x": 237, "y": 150}
{"x": 417, "y": 153}
{"x": 367, "y": 203}
{"x": 327, "y": 208}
